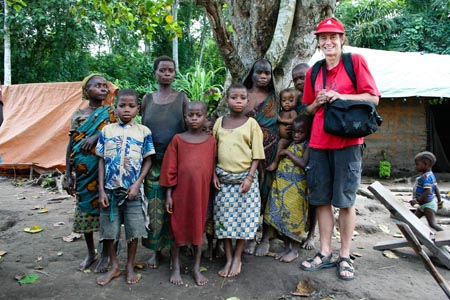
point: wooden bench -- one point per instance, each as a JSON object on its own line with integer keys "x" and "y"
{"x": 434, "y": 241}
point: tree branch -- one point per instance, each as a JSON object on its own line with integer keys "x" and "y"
{"x": 282, "y": 32}
{"x": 222, "y": 37}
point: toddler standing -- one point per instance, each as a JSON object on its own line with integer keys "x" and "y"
{"x": 426, "y": 191}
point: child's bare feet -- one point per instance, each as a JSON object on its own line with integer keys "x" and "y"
{"x": 175, "y": 277}
{"x": 102, "y": 265}
{"x": 199, "y": 278}
{"x": 226, "y": 270}
{"x": 208, "y": 253}
{"x": 107, "y": 277}
{"x": 87, "y": 262}
{"x": 290, "y": 256}
{"x": 250, "y": 247}
{"x": 219, "y": 251}
{"x": 133, "y": 277}
{"x": 153, "y": 261}
{"x": 308, "y": 244}
{"x": 272, "y": 167}
{"x": 262, "y": 248}
{"x": 279, "y": 255}
{"x": 235, "y": 269}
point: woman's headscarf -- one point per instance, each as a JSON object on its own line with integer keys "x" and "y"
{"x": 85, "y": 82}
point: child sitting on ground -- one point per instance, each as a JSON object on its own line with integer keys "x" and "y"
{"x": 425, "y": 191}
{"x": 124, "y": 149}
{"x": 285, "y": 119}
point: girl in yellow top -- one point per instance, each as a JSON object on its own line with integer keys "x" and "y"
{"x": 240, "y": 147}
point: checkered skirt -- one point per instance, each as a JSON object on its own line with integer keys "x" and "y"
{"x": 236, "y": 214}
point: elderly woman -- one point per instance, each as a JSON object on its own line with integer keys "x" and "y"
{"x": 335, "y": 162}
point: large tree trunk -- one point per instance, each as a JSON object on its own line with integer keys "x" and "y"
{"x": 280, "y": 30}
{"x": 175, "y": 39}
{"x": 7, "y": 47}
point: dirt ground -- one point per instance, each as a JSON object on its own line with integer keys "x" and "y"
{"x": 55, "y": 260}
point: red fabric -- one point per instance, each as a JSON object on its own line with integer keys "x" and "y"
{"x": 337, "y": 80}
{"x": 188, "y": 168}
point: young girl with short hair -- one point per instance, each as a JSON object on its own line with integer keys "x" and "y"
{"x": 186, "y": 173}
{"x": 237, "y": 207}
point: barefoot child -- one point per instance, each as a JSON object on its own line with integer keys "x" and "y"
{"x": 285, "y": 118}
{"x": 287, "y": 207}
{"x": 186, "y": 172}
{"x": 298, "y": 78}
{"x": 237, "y": 207}
{"x": 426, "y": 191}
{"x": 124, "y": 149}
{"x": 211, "y": 251}
{"x": 85, "y": 128}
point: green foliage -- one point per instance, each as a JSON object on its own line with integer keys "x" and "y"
{"x": 138, "y": 16}
{"x": 48, "y": 44}
{"x": 198, "y": 84}
{"x": 438, "y": 101}
{"x": 384, "y": 167}
{"x": 400, "y": 25}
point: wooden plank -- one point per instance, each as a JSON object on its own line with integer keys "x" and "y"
{"x": 399, "y": 210}
{"x": 442, "y": 238}
{"x": 391, "y": 244}
{"x": 420, "y": 229}
{"x": 414, "y": 243}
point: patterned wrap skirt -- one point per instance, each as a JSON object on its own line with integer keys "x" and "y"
{"x": 236, "y": 214}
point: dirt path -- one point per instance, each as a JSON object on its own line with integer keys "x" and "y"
{"x": 56, "y": 261}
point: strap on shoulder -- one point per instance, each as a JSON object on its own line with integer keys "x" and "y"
{"x": 315, "y": 71}
{"x": 348, "y": 65}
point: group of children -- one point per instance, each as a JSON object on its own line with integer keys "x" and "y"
{"x": 111, "y": 159}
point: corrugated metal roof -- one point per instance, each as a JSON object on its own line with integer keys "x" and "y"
{"x": 405, "y": 74}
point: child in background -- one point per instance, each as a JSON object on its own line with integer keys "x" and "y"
{"x": 85, "y": 127}
{"x": 124, "y": 149}
{"x": 186, "y": 172}
{"x": 285, "y": 118}
{"x": 426, "y": 191}
{"x": 211, "y": 251}
{"x": 237, "y": 207}
{"x": 287, "y": 207}
{"x": 298, "y": 78}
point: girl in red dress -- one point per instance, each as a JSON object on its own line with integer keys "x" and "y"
{"x": 187, "y": 171}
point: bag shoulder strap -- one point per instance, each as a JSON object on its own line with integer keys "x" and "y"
{"x": 315, "y": 71}
{"x": 348, "y": 65}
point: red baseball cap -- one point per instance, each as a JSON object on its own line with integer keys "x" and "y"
{"x": 330, "y": 25}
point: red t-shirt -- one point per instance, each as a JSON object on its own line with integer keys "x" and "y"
{"x": 337, "y": 80}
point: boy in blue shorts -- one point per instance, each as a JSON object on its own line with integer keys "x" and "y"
{"x": 426, "y": 192}
{"x": 124, "y": 149}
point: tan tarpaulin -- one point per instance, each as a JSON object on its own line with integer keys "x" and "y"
{"x": 36, "y": 124}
